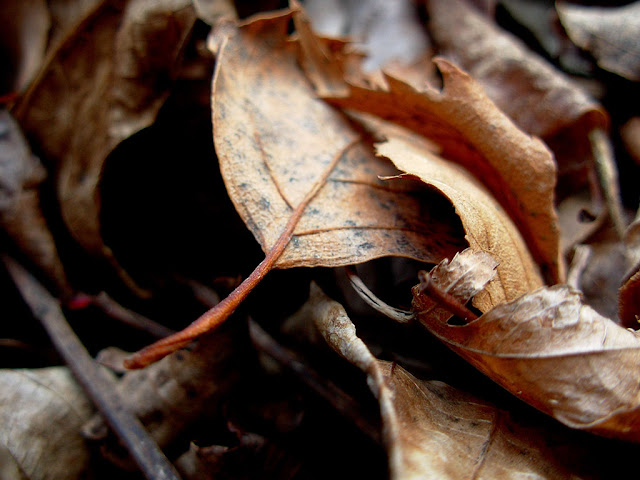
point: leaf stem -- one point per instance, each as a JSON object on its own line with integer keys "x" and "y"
{"x": 217, "y": 315}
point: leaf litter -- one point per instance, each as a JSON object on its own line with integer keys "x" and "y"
{"x": 463, "y": 172}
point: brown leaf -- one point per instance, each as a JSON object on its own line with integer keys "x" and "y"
{"x": 540, "y": 99}
{"x": 432, "y": 430}
{"x": 557, "y": 354}
{"x": 610, "y": 34}
{"x": 103, "y": 83}
{"x": 169, "y": 396}
{"x": 23, "y": 40}
{"x": 20, "y": 214}
{"x": 487, "y": 225}
{"x": 517, "y": 169}
{"x": 276, "y": 142}
{"x": 41, "y": 412}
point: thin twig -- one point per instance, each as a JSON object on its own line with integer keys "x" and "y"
{"x": 99, "y": 387}
{"x": 400, "y": 316}
{"x": 608, "y": 177}
{"x": 341, "y": 401}
{"x": 216, "y": 316}
{"x": 129, "y": 317}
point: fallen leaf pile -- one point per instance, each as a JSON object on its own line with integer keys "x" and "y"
{"x": 323, "y": 238}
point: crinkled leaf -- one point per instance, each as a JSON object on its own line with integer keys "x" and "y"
{"x": 432, "y": 430}
{"x": 540, "y": 99}
{"x": 557, "y": 354}
{"x": 487, "y": 225}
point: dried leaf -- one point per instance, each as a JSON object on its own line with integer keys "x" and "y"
{"x": 517, "y": 169}
{"x": 41, "y": 412}
{"x": 102, "y": 84}
{"x": 540, "y": 99}
{"x": 487, "y": 225}
{"x": 432, "y": 430}
{"x": 23, "y": 40}
{"x": 276, "y": 143}
{"x": 172, "y": 394}
{"x": 610, "y": 34}
{"x": 558, "y": 355}
{"x": 630, "y": 134}
{"x": 20, "y": 214}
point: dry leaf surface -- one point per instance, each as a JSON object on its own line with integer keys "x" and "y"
{"x": 540, "y": 99}
{"x": 610, "y": 34}
{"x": 471, "y": 131}
{"x": 431, "y": 429}
{"x": 487, "y": 225}
{"x": 277, "y": 142}
{"x": 41, "y": 413}
{"x": 557, "y": 354}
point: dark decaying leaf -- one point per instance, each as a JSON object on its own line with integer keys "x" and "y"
{"x": 103, "y": 83}
{"x": 21, "y": 175}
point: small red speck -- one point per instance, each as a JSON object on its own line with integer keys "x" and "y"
{"x": 79, "y": 302}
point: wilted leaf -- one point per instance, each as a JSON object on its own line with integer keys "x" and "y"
{"x": 432, "y": 430}
{"x": 486, "y": 224}
{"x": 103, "y": 83}
{"x": 41, "y": 413}
{"x": 517, "y": 169}
{"x": 20, "y": 214}
{"x": 557, "y": 354}
{"x": 276, "y": 143}
{"x": 610, "y": 34}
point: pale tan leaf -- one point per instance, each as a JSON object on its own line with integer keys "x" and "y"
{"x": 557, "y": 354}
{"x": 487, "y": 225}
{"x": 41, "y": 413}
{"x": 276, "y": 143}
{"x": 610, "y": 34}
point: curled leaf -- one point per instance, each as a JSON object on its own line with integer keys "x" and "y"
{"x": 486, "y": 224}
{"x": 432, "y": 430}
{"x": 540, "y": 99}
{"x": 557, "y": 354}
{"x": 471, "y": 131}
